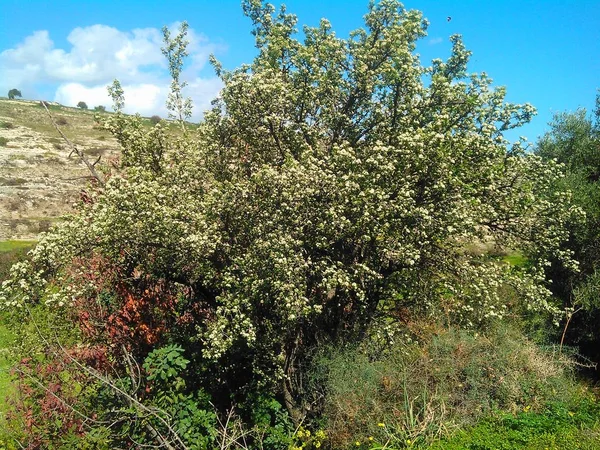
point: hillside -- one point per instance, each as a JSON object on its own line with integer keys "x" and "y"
{"x": 38, "y": 179}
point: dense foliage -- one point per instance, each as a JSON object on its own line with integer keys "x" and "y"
{"x": 14, "y": 93}
{"x": 574, "y": 140}
{"x": 337, "y": 190}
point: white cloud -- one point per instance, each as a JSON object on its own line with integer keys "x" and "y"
{"x": 146, "y": 99}
{"x": 435, "y": 41}
{"x": 202, "y": 91}
{"x": 97, "y": 55}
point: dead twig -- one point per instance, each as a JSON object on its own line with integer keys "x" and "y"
{"x": 76, "y": 150}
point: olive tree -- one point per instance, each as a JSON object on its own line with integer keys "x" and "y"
{"x": 331, "y": 192}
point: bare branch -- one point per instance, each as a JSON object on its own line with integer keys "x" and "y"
{"x": 131, "y": 400}
{"x": 74, "y": 149}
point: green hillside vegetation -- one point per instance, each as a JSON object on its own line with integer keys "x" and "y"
{"x": 345, "y": 253}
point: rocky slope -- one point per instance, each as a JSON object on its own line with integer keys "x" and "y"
{"x": 39, "y": 181}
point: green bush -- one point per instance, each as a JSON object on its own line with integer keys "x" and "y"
{"x": 331, "y": 188}
{"x": 574, "y": 140}
{"x": 3, "y": 141}
{"x": 419, "y": 392}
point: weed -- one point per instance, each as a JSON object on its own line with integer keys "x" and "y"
{"x": 452, "y": 380}
{"x": 3, "y": 141}
{"x": 7, "y": 125}
{"x": 558, "y": 426}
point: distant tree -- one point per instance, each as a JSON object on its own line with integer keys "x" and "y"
{"x": 14, "y": 93}
{"x": 100, "y": 108}
{"x": 82, "y": 105}
{"x": 155, "y": 119}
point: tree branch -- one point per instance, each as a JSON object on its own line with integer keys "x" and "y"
{"x": 74, "y": 149}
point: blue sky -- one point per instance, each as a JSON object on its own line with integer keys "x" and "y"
{"x": 545, "y": 52}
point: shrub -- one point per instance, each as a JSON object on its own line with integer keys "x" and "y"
{"x": 43, "y": 226}
{"x": 100, "y": 108}
{"x": 7, "y": 125}
{"x": 12, "y": 181}
{"x": 320, "y": 199}
{"x": 3, "y": 141}
{"x": 455, "y": 378}
{"x": 155, "y": 119}
{"x": 574, "y": 140}
{"x": 62, "y": 121}
{"x": 82, "y": 105}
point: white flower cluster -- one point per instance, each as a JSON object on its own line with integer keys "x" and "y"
{"x": 334, "y": 181}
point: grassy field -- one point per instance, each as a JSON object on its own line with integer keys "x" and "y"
{"x": 12, "y": 246}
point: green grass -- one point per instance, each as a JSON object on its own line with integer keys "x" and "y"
{"x": 6, "y": 362}
{"x": 11, "y": 246}
{"x": 557, "y": 427}
{"x": 516, "y": 259}
{"x": 10, "y": 252}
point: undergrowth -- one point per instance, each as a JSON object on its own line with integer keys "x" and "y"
{"x": 419, "y": 393}
{"x": 558, "y": 426}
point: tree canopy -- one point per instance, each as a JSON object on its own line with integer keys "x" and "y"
{"x": 14, "y": 93}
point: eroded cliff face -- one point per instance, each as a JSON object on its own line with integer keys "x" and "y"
{"x": 39, "y": 180}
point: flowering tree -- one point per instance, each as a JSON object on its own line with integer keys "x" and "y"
{"x": 330, "y": 193}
